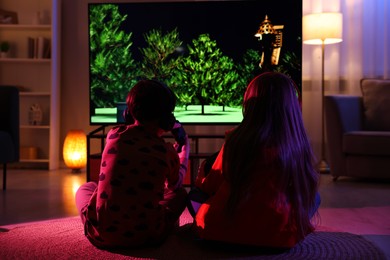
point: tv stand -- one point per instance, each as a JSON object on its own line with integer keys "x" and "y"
{"x": 93, "y": 160}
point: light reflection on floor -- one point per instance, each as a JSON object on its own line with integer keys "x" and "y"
{"x": 33, "y": 195}
{"x": 69, "y": 189}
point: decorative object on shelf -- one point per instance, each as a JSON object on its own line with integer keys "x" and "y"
{"x": 45, "y": 17}
{"x": 35, "y": 115}
{"x": 37, "y": 18}
{"x": 4, "y": 49}
{"x": 39, "y": 47}
{"x": 75, "y": 150}
{"x": 8, "y": 17}
{"x": 28, "y": 153}
{"x": 321, "y": 29}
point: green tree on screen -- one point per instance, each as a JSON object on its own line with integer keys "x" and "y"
{"x": 206, "y": 73}
{"x": 111, "y": 60}
{"x": 160, "y": 56}
{"x": 228, "y": 84}
{"x": 249, "y": 67}
{"x": 290, "y": 65}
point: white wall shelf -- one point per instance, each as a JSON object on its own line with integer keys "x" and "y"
{"x": 25, "y": 27}
{"x": 32, "y": 94}
{"x": 24, "y": 60}
{"x": 35, "y": 127}
{"x": 37, "y": 78}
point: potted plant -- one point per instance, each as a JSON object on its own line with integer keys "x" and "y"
{"x": 4, "y": 48}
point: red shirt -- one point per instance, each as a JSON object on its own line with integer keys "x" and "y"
{"x": 262, "y": 219}
{"x": 124, "y": 209}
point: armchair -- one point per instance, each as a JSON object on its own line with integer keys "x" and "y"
{"x": 358, "y": 131}
{"x": 9, "y": 128}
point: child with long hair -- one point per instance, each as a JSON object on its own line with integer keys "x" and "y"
{"x": 262, "y": 188}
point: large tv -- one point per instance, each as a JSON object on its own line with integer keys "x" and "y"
{"x": 205, "y": 51}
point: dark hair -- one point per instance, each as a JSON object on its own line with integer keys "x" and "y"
{"x": 152, "y": 100}
{"x": 272, "y": 132}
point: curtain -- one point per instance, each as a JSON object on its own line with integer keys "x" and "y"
{"x": 376, "y": 42}
{"x": 364, "y": 52}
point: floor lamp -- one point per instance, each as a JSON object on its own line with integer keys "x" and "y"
{"x": 322, "y": 29}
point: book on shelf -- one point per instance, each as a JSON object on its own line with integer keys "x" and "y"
{"x": 39, "y": 48}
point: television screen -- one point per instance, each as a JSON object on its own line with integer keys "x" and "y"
{"x": 205, "y": 51}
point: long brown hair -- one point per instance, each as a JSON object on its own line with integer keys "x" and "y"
{"x": 273, "y": 121}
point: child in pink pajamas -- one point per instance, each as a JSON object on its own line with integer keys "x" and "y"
{"x": 139, "y": 196}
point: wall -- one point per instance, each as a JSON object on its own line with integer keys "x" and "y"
{"x": 74, "y": 74}
{"x": 74, "y": 87}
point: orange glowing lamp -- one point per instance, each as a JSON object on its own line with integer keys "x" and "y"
{"x": 75, "y": 150}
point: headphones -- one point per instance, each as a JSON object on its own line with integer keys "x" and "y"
{"x": 145, "y": 108}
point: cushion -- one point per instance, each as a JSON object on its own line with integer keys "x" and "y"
{"x": 373, "y": 143}
{"x": 376, "y": 103}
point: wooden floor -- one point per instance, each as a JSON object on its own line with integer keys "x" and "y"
{"x": 350, "y": 205}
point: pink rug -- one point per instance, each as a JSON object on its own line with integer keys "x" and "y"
{"x": 64, "y": 239}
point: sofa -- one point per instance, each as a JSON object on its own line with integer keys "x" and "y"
{"x": 358, "y": 131}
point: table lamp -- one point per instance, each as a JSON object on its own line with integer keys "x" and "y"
{"x": 75, "y": 150}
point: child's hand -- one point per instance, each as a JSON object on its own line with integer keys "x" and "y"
{"x": 184, "y": 154}
{"x": 180, "y": 136}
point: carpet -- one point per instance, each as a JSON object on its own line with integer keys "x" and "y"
{"x": 64, "y": 239}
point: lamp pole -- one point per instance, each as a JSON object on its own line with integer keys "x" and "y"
{"x": 322, "y": 165}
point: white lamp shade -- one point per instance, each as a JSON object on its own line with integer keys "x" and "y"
{"x": 321, "y": 28}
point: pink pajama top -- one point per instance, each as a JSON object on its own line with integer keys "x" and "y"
{"x": 124, "y": 210}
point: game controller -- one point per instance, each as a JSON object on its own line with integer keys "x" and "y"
{"x": 179, "y": 135}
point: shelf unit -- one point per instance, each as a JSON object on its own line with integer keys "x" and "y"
{"x": 37, "y": 78}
